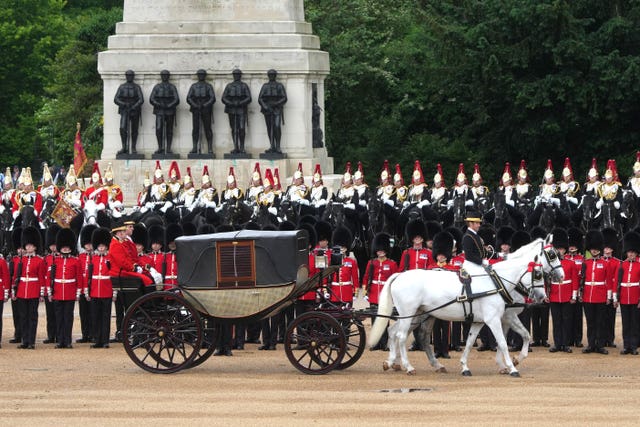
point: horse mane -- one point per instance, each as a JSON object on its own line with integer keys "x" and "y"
{"x": 526, "y": 249}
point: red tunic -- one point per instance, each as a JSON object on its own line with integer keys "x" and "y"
{"x": 171, "y": 273}
{"x": 65, "y": 282}
{"x": 413, "y": 259}
{"x": 311, "y": 295}
{"x": 122, "y": 263}
{"x": 629, "y": 282}
{"x": 345, "y": 281}
{"x": 596, "y": 281}
{"x": 457, "y": 261}
{"x": 567, "y": 289}
{"x": 98, "y": 195}
{"x": 613, "y": 265}
{"x": 85, "y": 261}
{"x": 375, "y": 276}
{"x": 19, "y": 200}
{"x": 578, "y": 259}
{"x": 100, "y": 278}
{"x": 157, "y": 260}
{"x": 5, "y": 280}
{"x": 32, "y": 280}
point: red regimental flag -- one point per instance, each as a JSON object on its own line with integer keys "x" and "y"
{"x": 79, "y": 156}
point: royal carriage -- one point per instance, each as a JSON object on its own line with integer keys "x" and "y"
{"x": 239, "y": 276}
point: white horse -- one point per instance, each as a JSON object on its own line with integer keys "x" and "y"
{"x": 422, "y": 294}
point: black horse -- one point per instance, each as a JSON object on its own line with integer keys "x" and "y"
{"x": 629, "y": 210}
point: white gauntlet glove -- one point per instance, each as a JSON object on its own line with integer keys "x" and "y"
{"x": 616, "y": 204}
{"x": 157, "y": 277}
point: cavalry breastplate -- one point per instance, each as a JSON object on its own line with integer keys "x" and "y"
{"x": 175, "y": 188}
{"x": 233, "y": 193}
{"x": 609, "y": 191}
{"x": 479, "y": 191}
{"x": 208, "y": 194}
{"x": 189, "y": 196}
{"x": 592, "y": 186}
{"x": 48, "y": 192}
{"x": 266, "y": 199}
{"x": 361, "y": 189}
{"x": 316, "y": 193}
{"x": 416, "y": 192}
{"x": 437, "y": 194}
{"x": 568, "y": 188}
{"x": 297, "y": 192}
{"x": 461, "y": 190}
{"x": 253, "y": 192}
{"x": 345, "y": 194}
{"x": 522, "y": 189}
{"x": 384, "y": 193}
{"x": 28, "y": 198}
{"x": 73, "y": 194}
{"x": 158, "y": 191}
{"x": 635, "y": 186}
{"x": 548, "y": 190}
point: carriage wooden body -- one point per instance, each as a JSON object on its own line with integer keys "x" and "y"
{"x": 238, "y": 276}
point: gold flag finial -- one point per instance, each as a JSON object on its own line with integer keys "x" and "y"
{"x": 78, "y": 126}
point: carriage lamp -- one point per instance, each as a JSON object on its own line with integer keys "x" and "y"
{"x": 321, "y": 259}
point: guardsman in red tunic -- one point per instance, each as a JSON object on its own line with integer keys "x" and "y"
{"x": 99, "y": 290}
{"x": 170, "y": 261}
{"x": 595, "y": 285}
{"x": 345, "y": 282}
{"x": 628, "y": 293}
{"x": 84, "y": 308}
{"x": 575, "y": 254}
{"x": 30, "y": 274}
{"x": 64, "y": 287}
{"x": 417, "y": 256}
{"x": 610, "y": 255}
{"x": 50, "y": 245}
{"x": 16, "y": 306}
{"x": 5, "y": 286}
{"x": 156, "y": 240}
{"x": 376, "y": 274}
{"x": 563, "y": 295}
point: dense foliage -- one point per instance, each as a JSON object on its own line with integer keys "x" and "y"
{"x": 446, "y": 81}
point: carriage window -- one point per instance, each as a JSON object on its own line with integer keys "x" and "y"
{"x": 236, "y": 264}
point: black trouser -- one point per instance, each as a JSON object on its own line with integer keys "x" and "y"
{"x": 595, "y": 315}
{"x": 630, "y": 325}
{"x": 487, "y": 338}
{"x": 17, "y": 310}
{"x": 456, "y": 335}
{"x": 119, "y": 314}
{"x": 64, "y": 321}
{"x": 441, "y": 337}
{"x": 29, "y": 309}
{"x": 84, "y": 309}
{"x": 223, "y": 336}
{"x": 270, "y": 330}
{"x": 253, "y": 331}
{"x": 562, "y": 314}
{"x": 576, "y": 335}
{"x": 540, "y": 322}
{"x": 610, "y": 325}
{"x": 101, "y": 319}
{"x": 202, "y": 115}
{"x": 513, "y": 338}
{"x": 52, "y": 329}
{"x": 287, "y": 316}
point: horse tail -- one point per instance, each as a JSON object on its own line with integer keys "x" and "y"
{"x": 385, "y": 308}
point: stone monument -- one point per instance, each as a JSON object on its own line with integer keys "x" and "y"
{"x": 217, "y": 36}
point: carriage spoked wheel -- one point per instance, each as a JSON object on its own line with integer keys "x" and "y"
{"x": 162, "y": 332}
{"x": 356, "y": 340}
{"x": 315, "y": 343}
{"x": 208, "y": 345}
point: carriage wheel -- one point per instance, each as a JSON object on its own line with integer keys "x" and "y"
{"x": 356, "y": 341}
{"x": 208, "y": 343}
{"x": 162, "y": 332}
{"x": 315, "y": 343}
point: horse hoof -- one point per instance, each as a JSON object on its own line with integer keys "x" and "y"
{"x": 515, "y": 374}
{"x": 385, "y": 366}
{"x": 466, "y": 373}
{"x": 441, "y": 370}
{"x": 396, "y": 367}
{"x": 504, "y": 371}
{"x": 411, "y": 372}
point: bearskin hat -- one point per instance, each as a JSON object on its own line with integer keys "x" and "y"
{"x": 519, "y": 239}
{"x": 16, "y": 238}
{"x": 611, "y": 239}
{"x": 560, "y": 238}
{"x": 31, "y": 235}
{"x": 443, "y": 244}
{"x": 631, "y": 242}
{"x": 206, "y": 229}
{"x": 189, "y": 229}
{"x": 342, "y": 237}
{"x": 269, "y": 227}
{"x": 252, "y": 225}
{"x": 50, "y": 235}
{"x": 433, "y": 228}
{"x": 503, "y": 236}
{"x": 538, "y": 232}
{"x": 594, "y": 240}
{"x": 313, "y": 237}
{"x": 85, "y": 234}
{"x": 156, "y": 234}
{"x": 172, "y": 232}
{"x": 225, "y": 228}
{"x": 309, "y": 219}
{"x": 576, "y": 238}
{"x": 101, "y": 236}
{"x": 287, "y": 226}
{"x": 488, "y": 234}
{"x": 323, "y": 230}
{"x": 457, "y": 234}
{"x": 415, "y": 227}
{"x": 381, "y": 242}
{"x": 66, "y": 238}
{"x": 140, "y": 235}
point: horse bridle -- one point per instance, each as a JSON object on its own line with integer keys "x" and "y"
{"x": 537, "y": 275}
{"x": 551, "y": 255}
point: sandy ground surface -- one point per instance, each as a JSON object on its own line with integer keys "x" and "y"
{"x": 84, "y": 386}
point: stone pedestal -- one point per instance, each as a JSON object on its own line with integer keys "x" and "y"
{"x": 183, "y": 36}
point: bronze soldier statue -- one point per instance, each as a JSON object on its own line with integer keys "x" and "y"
{"x": 236, "y": 98}
{"x": 129, "y": 99}
{"x": 164, "y": 98}
{"x": 272, "y": 98}
{"x": 201, "y": 98}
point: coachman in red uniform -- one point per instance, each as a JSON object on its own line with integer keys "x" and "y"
{"x": 156, "y": 240}
{"x": 563, "y": 295}
{"x": 65, "y": 285}
{"x": 595, "y": 286}
{"x": 99, "y": 288}
{"x": 376, "y": 274}
{"x": 628, "y": 293}
{"x": 346, "y": 281}
{"x": 30, "y": 279}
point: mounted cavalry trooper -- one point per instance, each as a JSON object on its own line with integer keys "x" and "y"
{"x": 277, "y": 187}
{"x": 115, "y": 197}
{"x": 610, "y": 191}
{"x": 208, "y": 195}
{"x": 461, "y": 188}
{"x": 97, "y": 192}
{"x": 159, "y": 193}
{"x": 569, "y": 188}
{"x": 418, "y": 190}
{"x": 634, "y": 181}
{"x": 73, "y": 194}
{"x": 188, "y": 195}
{"x": 231, "y": 195}
{"x": 50, "y": 193}
{"x": 525, "y": 193}
{"x": 255, "y": 187}
{"x": 174, "y": 186}
{"x": 478, "y": 189}
{"x": 143, "y": 196}
{"x": 8, "y": 192}
{"x": 364, "y": 193}
{"x": 439, "y": 195}
{"x": 385, "y": 189}
{"x": 593, "y": 183}
{"x": 298, "y": 192}
{"x": 319, "y": 195}
{"x": 549, "y": 190}
{"x": 28, "y": 196}
{"x": 269, "y": 198}
{"x": 400, "y": 191}
{"x": 347, "y": 193}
